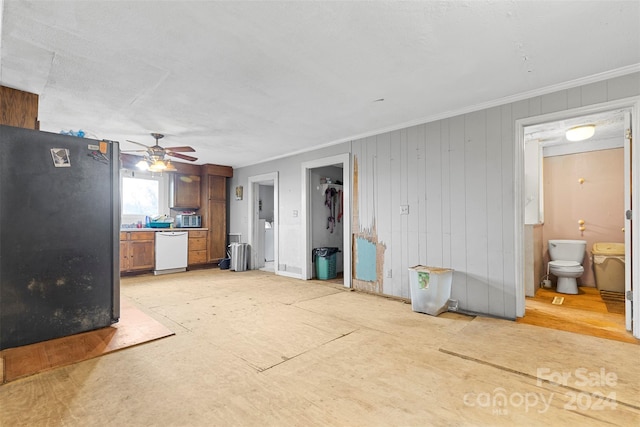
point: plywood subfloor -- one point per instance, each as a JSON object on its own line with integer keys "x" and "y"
{"x": 540, "y": 353}
{"x": 255, "y": 349}
{"x": 134, "y": 327}
{"x": 585, "y": 313}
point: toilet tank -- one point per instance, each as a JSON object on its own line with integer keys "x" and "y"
{"x": 567, "y": 250}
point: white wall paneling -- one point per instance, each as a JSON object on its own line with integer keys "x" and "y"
{"x": 395, "y": 249}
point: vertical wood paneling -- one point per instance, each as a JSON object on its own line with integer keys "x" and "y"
{"x": 446, "y": 193}
{"x": 458, "y": 176}
{"x": 356, "y": 152}
{"x": 574, "y": 97}
{"x": 508, "y": 218}
{"x": 421, "y": 196}
{"x": 385, "y": 189}
{"x": 363, "y": 168}
{"x": 593, "y": 93}
{"x": 517, "y": 111}
{"x": 404, "y": 219}
{"x": 552, "y": 102}
{"x": 495, "y": 211}
{"x": 476, "y": 165}
{"x": 383, "y": 196}
{"x": 433, "y": 188}
{"x": 458, "y": 209}
{"x": 535, "y": 107}
{"x": 623, "y": 87}
{"x": 372, "y": 181}
{"x": 395, "y": 247}
{"x": 413, "y": 239}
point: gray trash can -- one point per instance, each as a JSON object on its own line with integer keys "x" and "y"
{"x": 239, "y": 256}
{"x": 430, "y": 289}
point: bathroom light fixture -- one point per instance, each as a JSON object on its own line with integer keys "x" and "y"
{"x": 580, "y": 133}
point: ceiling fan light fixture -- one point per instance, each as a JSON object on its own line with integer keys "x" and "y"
{"x": 142, "y": 165}
{"x": 580, "y": 133}
{"x": 157, "y": 166}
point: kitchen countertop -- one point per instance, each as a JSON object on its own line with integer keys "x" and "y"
{"x": 124, "y": 230}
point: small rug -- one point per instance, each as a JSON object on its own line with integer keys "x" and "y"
{"x": 134, "y": 327}
{"x": 614, "y": 301}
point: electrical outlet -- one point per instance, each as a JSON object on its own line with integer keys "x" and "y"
{"x": 295, "y": 214}
{"x": 389, "y": 273}
{"x": 404, "y": 209}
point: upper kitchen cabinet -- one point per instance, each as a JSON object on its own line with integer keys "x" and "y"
{"x": 18, "y": 108}
{"x": 184, "y": 191}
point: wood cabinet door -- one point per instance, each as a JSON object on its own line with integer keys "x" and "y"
{"x": 217, "y": 217}
{"x": 184, "y": 191}
{"x": 124, "y": 256}
{"x": 142, "y": 255}
{"x": 217, "y": 230}
{"x": 217, "y": 188}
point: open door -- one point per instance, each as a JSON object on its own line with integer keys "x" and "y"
{"x": 631, "y": 297}
{"x": 256, "y": 238}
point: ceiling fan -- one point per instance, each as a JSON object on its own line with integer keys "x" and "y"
{"x": 154, "y": 156}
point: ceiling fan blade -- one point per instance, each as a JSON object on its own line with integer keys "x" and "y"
{"x": 134, "y": 142}
{"x": 133, "y": 151}
{"x": 180, "y": 149}
{"x": 181, "y": 156}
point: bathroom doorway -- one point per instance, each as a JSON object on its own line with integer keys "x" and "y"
{"x": 576, "y": 191}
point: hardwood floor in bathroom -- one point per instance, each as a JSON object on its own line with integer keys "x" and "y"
{"x": 585, "y": 313}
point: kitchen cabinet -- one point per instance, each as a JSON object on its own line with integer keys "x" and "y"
{"x": 184, "y": 191}
{"x": 137, "y": 251}
{"x": 18, "y": 108}
{"x": 197, "y": 247}
{"x": 214, "y": 209}
{"x": 217, "y": 217}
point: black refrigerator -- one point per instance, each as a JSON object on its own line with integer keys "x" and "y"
{"x": 59, "y": 235}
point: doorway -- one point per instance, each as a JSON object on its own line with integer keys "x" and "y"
{"x": 326, "y": 212}
{"x": 555, "y": 210}
{"x": 263, "y": 222}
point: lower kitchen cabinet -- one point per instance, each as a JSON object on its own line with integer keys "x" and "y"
{"x": 137, "y": 251}
{"x": 197, "y": 247}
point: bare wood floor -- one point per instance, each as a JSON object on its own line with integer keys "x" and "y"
{"x": 585, "y": 313}
{"x": 134, "y": 327}
{"x": 255, "y": 349}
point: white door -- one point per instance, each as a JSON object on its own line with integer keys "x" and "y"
{"x": 631, "y": 298}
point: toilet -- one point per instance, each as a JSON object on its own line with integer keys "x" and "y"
{"x": 566, "y": 263}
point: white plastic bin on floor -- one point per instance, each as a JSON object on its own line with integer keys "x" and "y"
{"x": 239, "y": 256}
{"x": 430, "y": 289}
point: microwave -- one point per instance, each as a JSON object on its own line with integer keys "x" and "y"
{"x": 188, "y": 221}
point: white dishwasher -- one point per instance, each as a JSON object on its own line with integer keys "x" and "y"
{"x": 171, "y": 251}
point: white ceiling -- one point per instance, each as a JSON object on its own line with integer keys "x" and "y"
{"x": 243, "y": 82}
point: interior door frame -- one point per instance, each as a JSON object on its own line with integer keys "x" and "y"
{"x": 253, "y": 194}
{"x": 633, "y": 104}
{"x": 307, "y": 265}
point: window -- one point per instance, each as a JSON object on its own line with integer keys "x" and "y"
{"x": 142, "y": 194}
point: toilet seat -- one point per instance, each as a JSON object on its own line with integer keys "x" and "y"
{"x": 568, "y": 266}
